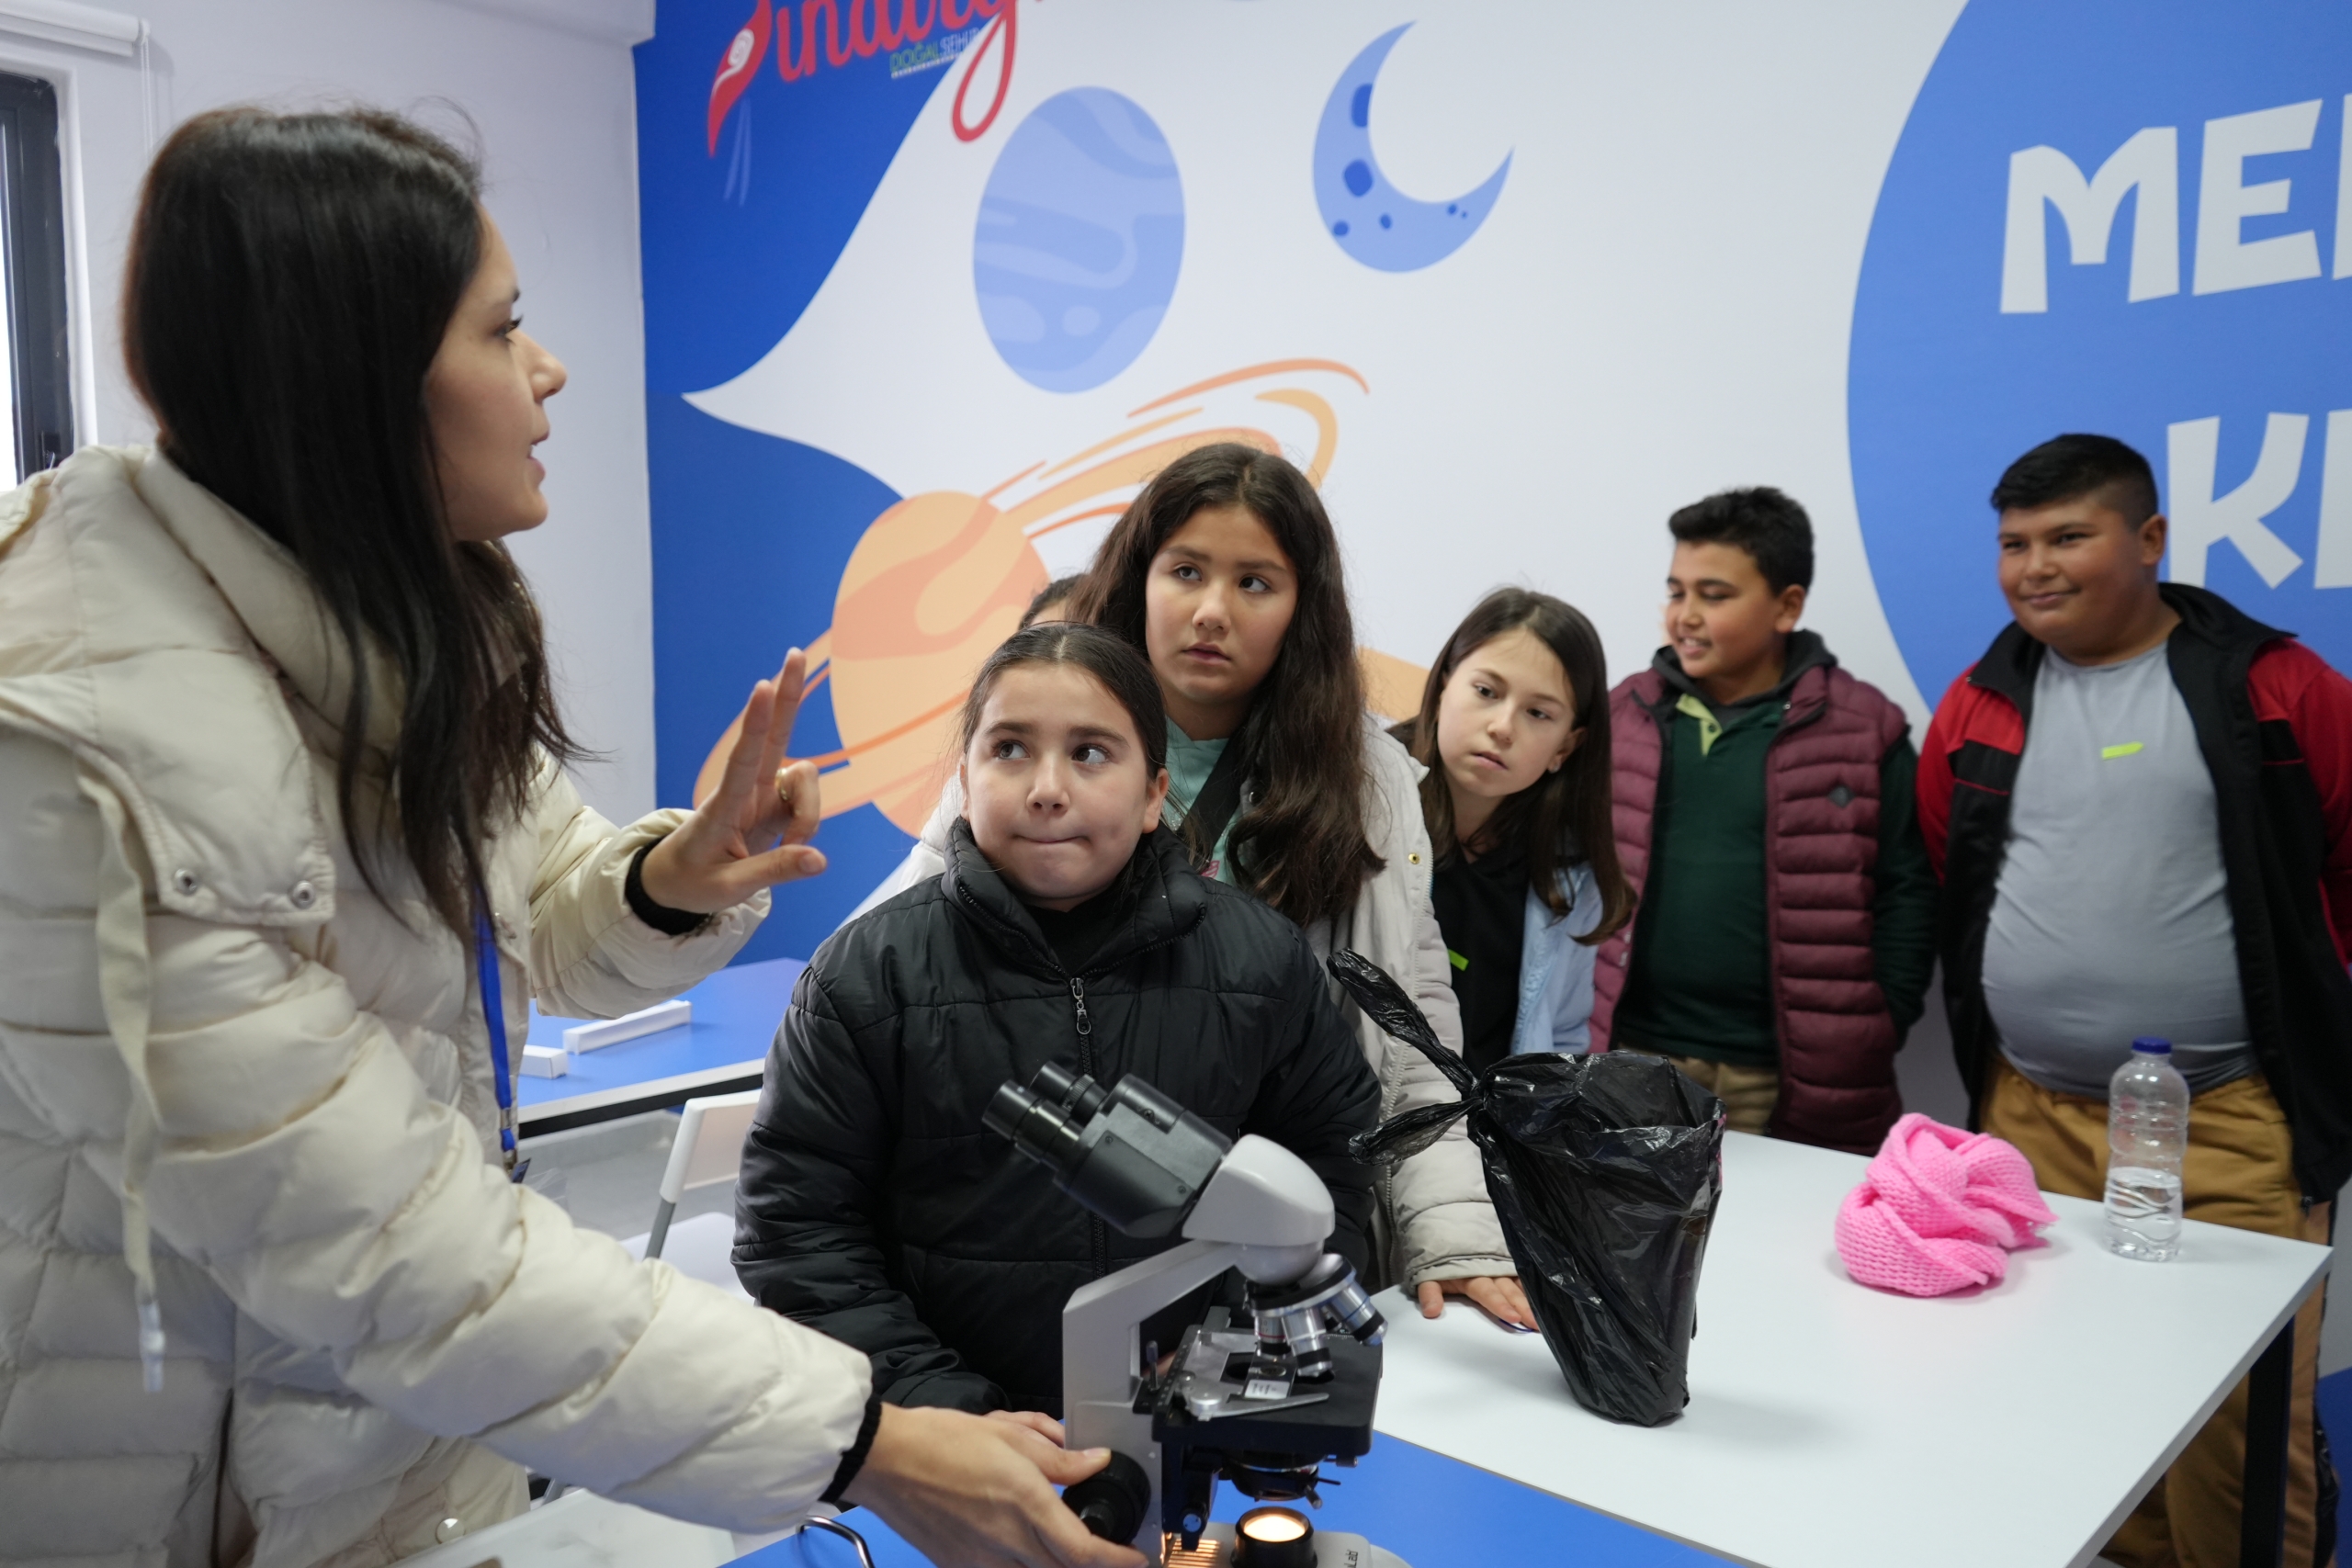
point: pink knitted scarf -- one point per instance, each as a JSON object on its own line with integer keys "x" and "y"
{"x": 1938, "y": 1210}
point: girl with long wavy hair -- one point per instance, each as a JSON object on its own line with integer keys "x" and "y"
{"x": 1225, "y": 572}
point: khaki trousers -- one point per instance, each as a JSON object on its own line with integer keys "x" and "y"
{"x": 2239, "y": 1171}
{"x": 1749, "y": 1094}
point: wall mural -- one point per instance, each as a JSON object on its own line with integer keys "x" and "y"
{"x": 2154, "y": 250}
{"x": 1371, "y": 220}
{"x": 932, "y": 286}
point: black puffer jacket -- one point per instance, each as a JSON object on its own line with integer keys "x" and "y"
{"x": 875, "y": 1207}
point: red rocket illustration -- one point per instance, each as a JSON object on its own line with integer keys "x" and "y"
{"x": 735, "y": 68}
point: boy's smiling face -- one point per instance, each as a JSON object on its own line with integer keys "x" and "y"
{"x": 2081, "y": 576}
{"x": 1725, "y": 622}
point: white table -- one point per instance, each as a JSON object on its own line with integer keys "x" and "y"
{"x": 1831, "y": 1425}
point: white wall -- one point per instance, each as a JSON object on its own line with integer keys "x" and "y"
{"x": 550, "y": 85}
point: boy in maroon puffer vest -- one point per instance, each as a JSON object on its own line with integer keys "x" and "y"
{"x": 1764, "y": 808}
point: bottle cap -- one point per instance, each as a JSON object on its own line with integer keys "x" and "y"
{"x": 2152, "y": 1045}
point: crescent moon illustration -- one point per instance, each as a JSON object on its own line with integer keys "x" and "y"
{"x": 1367, "y": 217}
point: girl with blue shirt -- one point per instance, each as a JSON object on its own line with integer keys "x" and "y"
{"x": 1514, "y": 731}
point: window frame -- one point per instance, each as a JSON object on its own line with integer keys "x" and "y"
{"x": 33, "y": 222}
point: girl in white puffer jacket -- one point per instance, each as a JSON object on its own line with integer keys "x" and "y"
{"x": 280, "y": 763}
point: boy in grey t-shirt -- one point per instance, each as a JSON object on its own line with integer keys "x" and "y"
{"x": 2111, "y": 916}
{"x": 2140, "y": 801}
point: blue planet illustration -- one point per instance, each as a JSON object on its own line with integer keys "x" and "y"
{"x": 1079, "y": 240}
{"x": 1367, "y": 217}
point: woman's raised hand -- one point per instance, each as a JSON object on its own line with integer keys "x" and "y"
{"x": 967, "y": 1492}
{"x": 753, "y": 831}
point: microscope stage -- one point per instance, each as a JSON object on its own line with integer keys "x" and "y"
{"x": 1331, "y": 1419}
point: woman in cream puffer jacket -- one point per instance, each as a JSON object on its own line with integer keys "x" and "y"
{"x": 361, "y": 1312}
{"x": 269, "y": 1297}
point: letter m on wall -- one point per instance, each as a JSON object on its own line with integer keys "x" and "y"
{"x": 2149, "y": 162}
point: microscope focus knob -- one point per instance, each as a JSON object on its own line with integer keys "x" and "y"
{"x": 1112, "y": 1502}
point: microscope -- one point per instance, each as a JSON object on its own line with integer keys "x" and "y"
{"x": 1261, "y": 1402}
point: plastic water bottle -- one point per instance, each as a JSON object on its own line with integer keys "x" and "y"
{"x": 2147, "y": 1134}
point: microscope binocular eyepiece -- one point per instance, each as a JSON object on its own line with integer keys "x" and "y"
{"x": 1046, "y": 1120}
{"x": 1130, "y": 1154}
{"x": 1040, "y": 1127}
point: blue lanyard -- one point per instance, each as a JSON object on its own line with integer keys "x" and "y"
{"x": 493, "y": 1010}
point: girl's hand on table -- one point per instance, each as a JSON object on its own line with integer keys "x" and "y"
{"x": 1499, "y": 1296}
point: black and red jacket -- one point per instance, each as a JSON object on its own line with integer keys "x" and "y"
{"x": 2275, "y": 724}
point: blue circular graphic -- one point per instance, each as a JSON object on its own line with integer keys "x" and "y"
{"x": 1081, "y": 237}
{"x": 1367, "y": 217}
{"x": 2204, "y": 144}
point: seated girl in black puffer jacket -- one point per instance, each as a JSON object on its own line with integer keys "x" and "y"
{"x": 1068, "y": 926}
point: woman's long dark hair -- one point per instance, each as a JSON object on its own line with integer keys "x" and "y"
{"x": 1560, "y": 814}
{"x": 1300, "y": 845}
{"x": 290, "y": 279}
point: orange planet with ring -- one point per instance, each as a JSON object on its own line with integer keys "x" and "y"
{"x": 940, "y": 579}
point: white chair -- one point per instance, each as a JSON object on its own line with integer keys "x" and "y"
{"x": 708, "y": 1150}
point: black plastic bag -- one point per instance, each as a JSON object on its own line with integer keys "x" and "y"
{"x": 1605, "y": 1171}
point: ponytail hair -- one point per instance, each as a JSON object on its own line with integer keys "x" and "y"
{"x": 1116, "y": 667}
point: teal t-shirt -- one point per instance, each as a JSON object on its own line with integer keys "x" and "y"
{"x": 1190, "y": 762}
